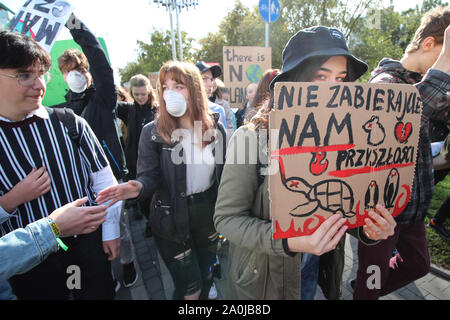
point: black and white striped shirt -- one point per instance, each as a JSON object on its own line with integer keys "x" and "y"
{"x": 43, "y": 141}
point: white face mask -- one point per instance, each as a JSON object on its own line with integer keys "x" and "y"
{"x": 175, "y": 103}
{"x": 76, "y": 81}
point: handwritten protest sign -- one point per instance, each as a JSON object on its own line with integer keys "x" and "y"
{"x": 340, "y": 149}
{"x": 242, "y": 66}
{"x": 42, "y": 20}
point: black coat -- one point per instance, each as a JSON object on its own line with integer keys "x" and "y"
{"x": 135, "y": 118}
{"x": 165, "y": 181}
{"x": 97, "y": 103}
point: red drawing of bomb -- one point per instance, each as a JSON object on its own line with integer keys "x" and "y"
{"x": 319, "y": 163}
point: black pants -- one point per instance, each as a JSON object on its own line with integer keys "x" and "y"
{"x": 54, "y": 278}
{"x": 190, "y": 265}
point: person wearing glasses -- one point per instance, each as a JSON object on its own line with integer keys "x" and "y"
{"x": 41, "y": 169}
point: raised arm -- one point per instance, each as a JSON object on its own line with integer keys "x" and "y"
{"x": 100, "y": 68}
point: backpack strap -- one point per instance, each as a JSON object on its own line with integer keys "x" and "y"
{"x": 67, "y": 117}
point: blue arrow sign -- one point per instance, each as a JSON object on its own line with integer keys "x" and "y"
{"x": 269, "y": 10}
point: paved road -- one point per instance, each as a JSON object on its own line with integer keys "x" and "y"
{"x": 155, "y": 282}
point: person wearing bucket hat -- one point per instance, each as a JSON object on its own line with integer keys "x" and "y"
{"x": 266, "y": 268}
{"x": 314, "y": 42}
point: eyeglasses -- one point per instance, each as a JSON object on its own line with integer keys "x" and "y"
{"x": 28, "y": 79}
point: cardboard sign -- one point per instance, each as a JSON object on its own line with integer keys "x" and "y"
{"x": 42, "y": 20}
{"x": 340, "y": 149}
{"x": 242, "y": 66}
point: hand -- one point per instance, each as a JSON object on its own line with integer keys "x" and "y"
{"x": 34, "y": 185}
{"x": 123, "y": 191}
{"x": 324, "y": 239}
{"x": 112, "y": 248}
{"x": 74, "y": 23}
{"x": 383, "y": 227}
{"x": 442, "y": 63}
{"x": 75, "y": 219}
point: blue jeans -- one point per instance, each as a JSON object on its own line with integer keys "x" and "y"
{"x": 310, "y": 274}
{"x": 6, "y": 291}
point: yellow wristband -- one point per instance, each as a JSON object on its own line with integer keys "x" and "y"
{"x": 57, "y": 233}
{"x": 54, "y": 227}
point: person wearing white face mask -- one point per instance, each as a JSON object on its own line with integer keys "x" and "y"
{"x": 92, "y": 92}
{"x": 181, "y": 156}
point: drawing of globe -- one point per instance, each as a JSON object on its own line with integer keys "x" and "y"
{"x": 254, "y": 73}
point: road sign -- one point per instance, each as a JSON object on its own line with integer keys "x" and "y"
{"x": 269, "y": 10}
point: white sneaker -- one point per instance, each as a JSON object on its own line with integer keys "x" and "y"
{"x": 212, "y": 292}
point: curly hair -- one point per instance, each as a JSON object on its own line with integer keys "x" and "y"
{"x": 73, "y": 59}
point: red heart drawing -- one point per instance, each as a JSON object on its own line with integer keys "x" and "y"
{"x": 403, "y": 131}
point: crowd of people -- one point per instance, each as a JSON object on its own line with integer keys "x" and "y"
{"x": 168, "y": 154}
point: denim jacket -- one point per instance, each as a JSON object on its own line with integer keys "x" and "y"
{"x": 23, "y": 249}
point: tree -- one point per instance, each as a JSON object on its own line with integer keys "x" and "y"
{"x": 243, "y": 26}
{"x": 390, "y": 39}
{"x": 151, "y": 56}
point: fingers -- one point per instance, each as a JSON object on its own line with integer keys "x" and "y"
{"x": 382, "y": 226}
{"x": 332, "y": 237}
{"x": 335, "y": 240}
{"x": 107, "y": 194}
{"x": 79, "y": 202}
{"x": 386, "y": 214}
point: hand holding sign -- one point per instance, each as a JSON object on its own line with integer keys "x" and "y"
{"x": 74, "y": 23}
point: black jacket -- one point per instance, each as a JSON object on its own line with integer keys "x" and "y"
{"x": 97, "y": 103}
{"x": 165, "y": 181}
{"x": 135, "y": 118}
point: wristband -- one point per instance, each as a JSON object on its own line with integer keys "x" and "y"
{"x": 57, "y": 233}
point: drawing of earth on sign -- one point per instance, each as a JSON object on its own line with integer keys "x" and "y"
{"x": 254, "y": 73}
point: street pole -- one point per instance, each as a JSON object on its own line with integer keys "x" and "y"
{"x": 180, "y": 42}
{"x": 174, "y": 48}
{"x": 176, "y": 5}
{"x": 268, "y": 27}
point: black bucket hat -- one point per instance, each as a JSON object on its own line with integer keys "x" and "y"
{"x": 318, "y": 41}
{"x": 215, "y": 70}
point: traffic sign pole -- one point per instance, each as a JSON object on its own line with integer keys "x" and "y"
{"x": 268, "y": 30}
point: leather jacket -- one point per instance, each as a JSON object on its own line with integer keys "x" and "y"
{"x": 165, "y": 181}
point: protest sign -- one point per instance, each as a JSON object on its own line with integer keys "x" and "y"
{"x": 242, "y": 66}
{"x": 42, "y": 20}
{"x": 340, "y": 149}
